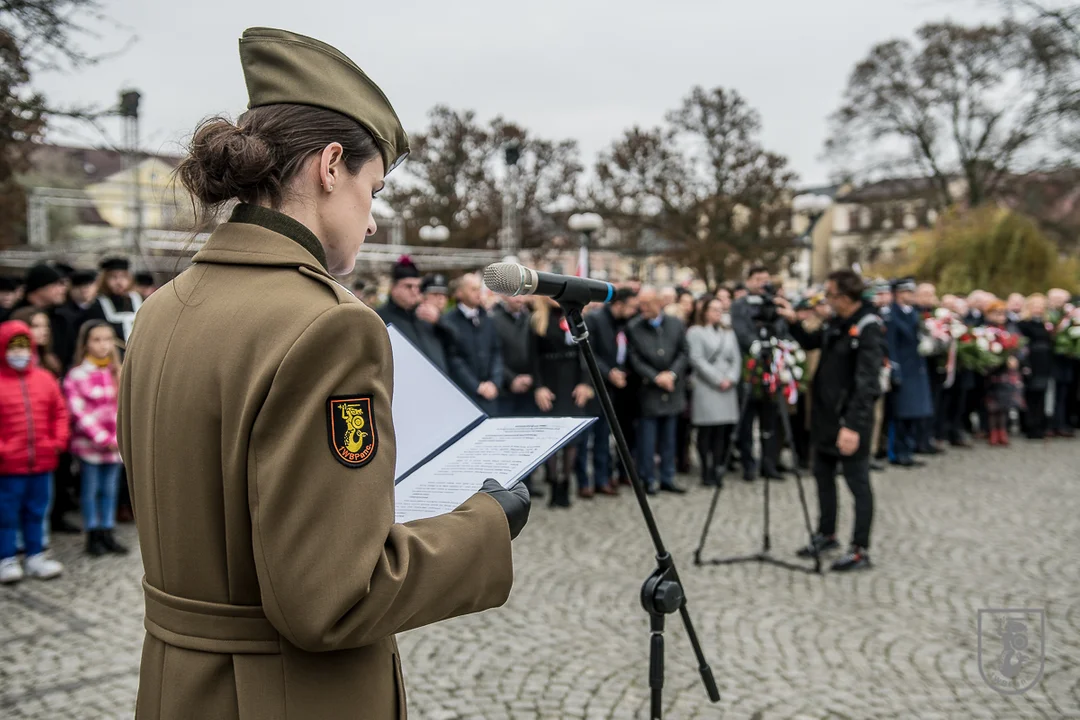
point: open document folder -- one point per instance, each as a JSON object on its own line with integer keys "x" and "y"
{"x": 447, "y": 446}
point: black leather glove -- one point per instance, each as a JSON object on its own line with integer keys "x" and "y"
{"x": 515, "y": 503}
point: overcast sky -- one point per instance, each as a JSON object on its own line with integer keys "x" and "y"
{"x": 584, "y": 69}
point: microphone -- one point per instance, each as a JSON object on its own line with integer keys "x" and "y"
{"x": 513, "y": 279}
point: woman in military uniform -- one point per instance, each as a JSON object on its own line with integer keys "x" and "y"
{"x": 256, "y": 427}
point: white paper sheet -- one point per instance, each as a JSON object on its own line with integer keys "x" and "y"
{"x": 506, "y": 449}
{"x": 429, "y": 409}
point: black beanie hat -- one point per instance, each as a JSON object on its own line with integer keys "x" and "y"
{"x": 404, "y": 268}
{"x": 8, "y": 283}
{"x": 115, "y": 263}
{"x": 83, "y": 277}
{"x": 41, "y": 275}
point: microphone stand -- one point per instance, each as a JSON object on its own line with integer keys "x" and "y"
{"x": 662, "y": 593}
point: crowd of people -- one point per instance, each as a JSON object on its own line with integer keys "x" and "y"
{"x": 681, "y": 372}
{"x": 63, "y": 332}
{"x": 684, "y": 372}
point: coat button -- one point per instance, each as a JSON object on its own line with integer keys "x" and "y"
{"x": 664, "y": 397}
{"x": 660, "y": 352}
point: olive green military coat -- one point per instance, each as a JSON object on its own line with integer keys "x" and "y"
{"x": 275, "y": 576}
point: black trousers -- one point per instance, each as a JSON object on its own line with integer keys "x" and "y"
{"x": 682, "y": 443}
{"x": 905, "y": 437}
{"x": 1035, "y": 415}
{"x": 712, "y": 443}
{"x": 801, "y": 433}
{"x": 1059, "y": 422}
{"x": 857, "y": 474}
{"x": 765, "y": 411}
{"x": 627, "y": 410}
{"x": 65, "y": 489}
{"x": 976, "y": 404}
{"x": 954, "y": 409}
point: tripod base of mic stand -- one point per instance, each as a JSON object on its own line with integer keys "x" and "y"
{"x": 761, "y": 557}
{"x": 662, "y": 594}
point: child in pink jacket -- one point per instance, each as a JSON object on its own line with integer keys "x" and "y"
{"x": 91, "y": 390}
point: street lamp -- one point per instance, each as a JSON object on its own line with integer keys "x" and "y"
{"x": 586, "y": 224}
{"x": 434, "y": 233}
{"x": 813, "y": 206}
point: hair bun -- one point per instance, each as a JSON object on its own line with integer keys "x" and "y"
{"x": 225, "y": 162}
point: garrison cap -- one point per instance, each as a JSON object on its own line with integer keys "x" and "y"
{"x": 283, "y": 67}
{"x": 904, "y": 285}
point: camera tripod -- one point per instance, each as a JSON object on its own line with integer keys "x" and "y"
{"x": 764, "y": 359}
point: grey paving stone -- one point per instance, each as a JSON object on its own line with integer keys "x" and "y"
{"x": 972, "y": 530}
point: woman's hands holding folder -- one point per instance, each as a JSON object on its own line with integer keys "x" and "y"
{"x": 515, "y": 503}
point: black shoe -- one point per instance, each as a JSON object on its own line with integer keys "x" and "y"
{"x": 94, "y": 545}
{"x": 560, "y": 495}
{"x": 110, "y": 544}
{"x": 650, "y": 490}
{"x": 877, "y": 466}
{"x": 673, "y": 489}
{"x": 909, "y": 463}
{"x": 927, "y": 451}
{"x": 822, "y": 544}
{"x": 61, "y": 525}
{"x": 774, "y": 476}
{"x": 854, "y": 559}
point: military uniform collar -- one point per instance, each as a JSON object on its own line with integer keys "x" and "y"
{"x": 256, "y": 235}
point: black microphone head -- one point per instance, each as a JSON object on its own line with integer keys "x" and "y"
{"x": 506, "y": 278}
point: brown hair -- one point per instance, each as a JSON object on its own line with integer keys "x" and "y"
{"x": 848, "y": 284}
{"x": 255, "y": 159}
{"x": 84, "y": 337}
{"x": 702, "y": 308}
{"x": 46, "y": 356}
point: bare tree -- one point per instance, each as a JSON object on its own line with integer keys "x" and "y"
{"x": 704, "y": 183}
{"x": 456, "y": 176}
{"x": 969, "y": 103}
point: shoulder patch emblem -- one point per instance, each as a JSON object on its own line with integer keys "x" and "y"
{"x": 350, "y": 428}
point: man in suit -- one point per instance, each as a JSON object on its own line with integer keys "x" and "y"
{"x": 912, "y": 404}
{"x": 660, "y": 358}
{"x": 608, "y": 340}
{"x": 510, "y": 316}
{"x": 926, "y": 304}
{"x": 473, "y": 345}
{"x": 416, "y": 320}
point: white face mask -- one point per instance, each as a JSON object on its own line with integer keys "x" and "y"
{"x": 19, "y": 361}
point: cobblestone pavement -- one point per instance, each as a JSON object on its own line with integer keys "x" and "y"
{"x": 975, "y": 529}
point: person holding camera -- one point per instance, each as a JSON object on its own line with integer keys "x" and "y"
{"x": 844, "y": 391}
{"x": 752, "y": 316}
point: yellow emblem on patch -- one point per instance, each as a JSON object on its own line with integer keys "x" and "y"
{"x": 350, "y": 425}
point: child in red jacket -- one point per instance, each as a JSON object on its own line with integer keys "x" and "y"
{"x": 33, "y": 432}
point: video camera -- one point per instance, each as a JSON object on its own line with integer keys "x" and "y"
{"x": 766, "y": 315}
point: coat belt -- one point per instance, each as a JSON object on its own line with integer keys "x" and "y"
{"x": 208, "y": 627}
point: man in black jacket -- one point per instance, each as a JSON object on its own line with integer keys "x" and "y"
{"x": 511, "y": 319}
{"x": 660, "y": 358}
{"x": 414, "y": 320}
{"x": 473, "y": 345}
{"x": 608, "y": 340}
{"x": 745, "y": 314}
{"x": 845, "y": 388}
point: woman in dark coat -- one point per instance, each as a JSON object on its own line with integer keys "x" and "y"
{"x": 1038, "y": 366}
{"x": 562, "y": 386}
